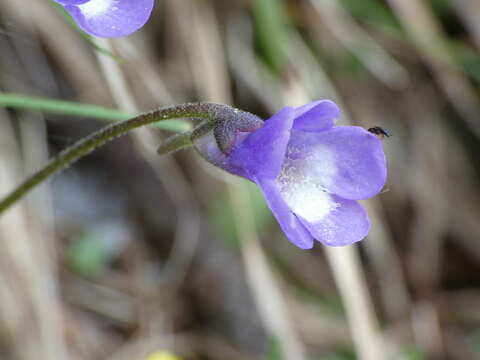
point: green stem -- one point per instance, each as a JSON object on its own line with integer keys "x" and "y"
{"x": 206, "y": 111}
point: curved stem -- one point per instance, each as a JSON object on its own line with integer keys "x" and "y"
{"x": 206, "y": 111}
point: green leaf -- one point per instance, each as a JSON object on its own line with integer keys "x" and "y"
{"x": 467, "y": 58}
{"x": 274, "y": 350}
{"x": 473, "y": 341}
{"x": 87, "y": 255}
{"x": 261, "y": 213}
{"x": 342, "y": 353}
{"x": 79, "y": 109}
{"x": 373, "y": 12}
{"x": 221, "y": 214}
{"x": 412, "y": 353}
{"x": 270, "y": 25}
{"x": 440, "y": 6}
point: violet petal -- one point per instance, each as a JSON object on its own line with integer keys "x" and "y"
{"x": 262, "y": 152}
{"x": 291, "y": 226}
{"x": 110, "y": 18}
{"x": 346, "y": 223}
{"x": 346, "y": 160}
{"x": 316, "y": 116}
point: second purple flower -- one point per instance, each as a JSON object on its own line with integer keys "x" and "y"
{"x": 108, "y": 18}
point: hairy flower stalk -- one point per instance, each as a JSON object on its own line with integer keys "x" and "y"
{"x": 209, "y": 112}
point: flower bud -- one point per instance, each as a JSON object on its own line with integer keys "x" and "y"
{"x": 215, "y": 140}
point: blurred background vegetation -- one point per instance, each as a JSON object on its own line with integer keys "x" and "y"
{"x": 127, "y": 253}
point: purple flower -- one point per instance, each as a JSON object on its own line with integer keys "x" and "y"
{"x": 109, "y": 18}
{"x": 310, "y": 171}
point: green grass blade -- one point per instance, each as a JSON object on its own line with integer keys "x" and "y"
{"x": 270, "y": 25}
{"x": 79, "y": 109}
{"x": 274, "y": 350}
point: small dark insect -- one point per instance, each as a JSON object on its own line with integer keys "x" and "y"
{"x": 380, "y": 132}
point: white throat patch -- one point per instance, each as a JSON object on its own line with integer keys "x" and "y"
{"x": 94, "y": 8}
{"x": 303, "y": 181}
